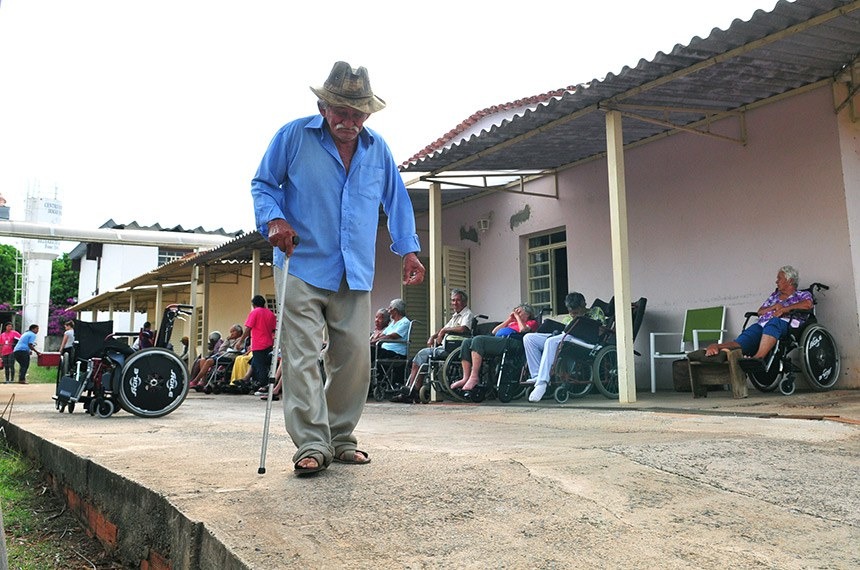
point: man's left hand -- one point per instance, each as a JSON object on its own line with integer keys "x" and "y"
{"x": 413, "y": 270}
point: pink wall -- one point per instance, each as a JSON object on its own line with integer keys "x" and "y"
{"x": 710, "y": 223}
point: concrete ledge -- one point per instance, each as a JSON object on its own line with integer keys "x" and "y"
{"x": 139, "y": 526}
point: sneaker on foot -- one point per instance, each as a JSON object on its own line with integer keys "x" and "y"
{"x": 538, "y": 392}
{"x": 531, "y": 381}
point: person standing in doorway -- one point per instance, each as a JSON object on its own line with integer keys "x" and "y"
{"x": 323, "y": 179}
{"x": 26, "y": 344}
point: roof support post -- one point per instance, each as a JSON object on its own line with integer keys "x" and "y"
{"x": 131, "y": 310}
{"x": 255, "y": 272}
{"x": 193, "y": 339}
{"x": 159, "y": 302}
{"x": 437, "y": 292}
{"x": 205, "y": 333}
{"x": 620, "y": 258}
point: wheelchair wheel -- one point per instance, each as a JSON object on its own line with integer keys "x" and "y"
{"x": 379, "y": 392}
{"x": 561, "y": 394}
{"x": 765, "y": 378}
{"x": 572, "y": 372}
{"x": 452, "y": 371}
{"x": 153, "y": 383}
{"x": 605, "y": 371}
{"x": 65, "y": 366}
{"x": 424, "y": 394}
{"x": 820, "y": 357}
{"x": 71, "y": 407}
{"x": 786, "y": 385}
{"x": 511, "y": 392}
{"x": 101, "y": 407}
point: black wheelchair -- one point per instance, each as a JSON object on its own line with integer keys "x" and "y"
{"x": 501, "y": 376}
{"x": 388, "y": 375}
{"x": 810, "y": 344}
{"x": 580, "y": 364}
{"x": 104, "y": 374}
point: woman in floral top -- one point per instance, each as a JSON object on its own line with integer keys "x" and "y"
{"x": 758, "y": 339}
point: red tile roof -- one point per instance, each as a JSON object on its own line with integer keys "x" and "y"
{"x": 505, "y": 108}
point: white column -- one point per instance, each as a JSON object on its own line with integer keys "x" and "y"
{"x": 620, "y": 258}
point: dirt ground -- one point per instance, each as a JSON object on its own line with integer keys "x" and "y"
{"x": 671, "y": 482}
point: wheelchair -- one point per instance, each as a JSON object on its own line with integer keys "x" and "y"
{"x": 104, "y": 374}
{"x": 811, "y": 344}
{"x": 501, "y": 376}
{"x": 388, "y": 375}
{"x": 580, "y": 365}
{"x": 218, "y": 377}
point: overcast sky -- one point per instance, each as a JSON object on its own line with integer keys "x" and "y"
{"x": 159, "y": 111}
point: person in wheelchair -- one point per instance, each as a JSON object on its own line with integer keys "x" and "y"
{"x": 541, "y": 347}
{"x": 380, "y": 321}
{"x": 397, "y": 329}
{"x": 758, "y": 339}
{"x": 226, "y": 349}
{"x": 459, "y": 324}
{"x": 474, "y": 350}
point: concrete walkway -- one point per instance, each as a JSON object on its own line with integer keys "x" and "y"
{"x": 770, "y": 481}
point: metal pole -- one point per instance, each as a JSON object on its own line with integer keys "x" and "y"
{"x": 274, "y": 366}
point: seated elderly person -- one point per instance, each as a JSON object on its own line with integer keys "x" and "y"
{"x": 541, "y": 348}
{"x": 223, "y": 348}
{"x": 381, "y": 320}
{"x": 397, "y": 329}
{"x": 459, "y": 324}
{"x": 475, "y": 349}
{"x": 758, "y": 339}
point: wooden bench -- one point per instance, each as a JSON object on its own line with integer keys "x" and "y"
{"x": 722, "y": 369}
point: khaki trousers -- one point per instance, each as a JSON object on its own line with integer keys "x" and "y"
{"x": 320, "y": 419}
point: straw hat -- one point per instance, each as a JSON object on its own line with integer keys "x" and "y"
{"x": 348, "y": 87}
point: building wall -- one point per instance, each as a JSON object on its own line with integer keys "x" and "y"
{"x": 119, "y": 264}
{"x": 710, "y": 223}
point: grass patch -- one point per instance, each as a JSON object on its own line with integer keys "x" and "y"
{"x": 41, "y": 374}
{"x": 40, "y": 532}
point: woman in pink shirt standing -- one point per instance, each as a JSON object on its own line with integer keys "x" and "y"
{"x": 8, "y": 339}
{"x": 260, "y": 324}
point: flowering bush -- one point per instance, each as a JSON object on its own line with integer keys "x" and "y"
{"x": 59, "y": 314}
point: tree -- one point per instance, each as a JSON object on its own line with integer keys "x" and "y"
{"x": 64, "y": 293}
{"x": 9, "y": 267}
{"x": 64, "y": 281}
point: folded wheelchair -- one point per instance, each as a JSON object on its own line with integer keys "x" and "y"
{"x": 809, "y": 349}
{"x": 104, "y": 374}
{"x": 582, "y": 363}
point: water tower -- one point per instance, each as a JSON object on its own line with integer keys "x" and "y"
{"x": 41, "y": 208}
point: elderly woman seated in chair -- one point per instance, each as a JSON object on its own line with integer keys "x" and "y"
{"x": 475, "y": 349}
{"x": 758, "y": 339}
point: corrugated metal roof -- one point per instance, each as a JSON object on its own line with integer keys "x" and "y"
{"x": 796, "y": 44}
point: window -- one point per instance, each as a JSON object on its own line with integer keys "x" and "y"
{"x": 168, "y": 255}
{"x": 547, "y": 271}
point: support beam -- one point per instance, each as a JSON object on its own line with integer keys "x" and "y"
{"x": 437, "y": 291}
{"x": 205, "y": 332}
{"x": 255, "y": 272}
{"x": 620, "y": 258}
{"x": 193, "y": 338}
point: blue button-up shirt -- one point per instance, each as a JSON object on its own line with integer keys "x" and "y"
{"x": 335, "y": 213}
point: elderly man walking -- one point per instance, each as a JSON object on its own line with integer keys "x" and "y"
{"x": 323, "y": 178}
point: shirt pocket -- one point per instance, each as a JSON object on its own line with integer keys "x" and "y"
{"x": 371, "y": 181}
